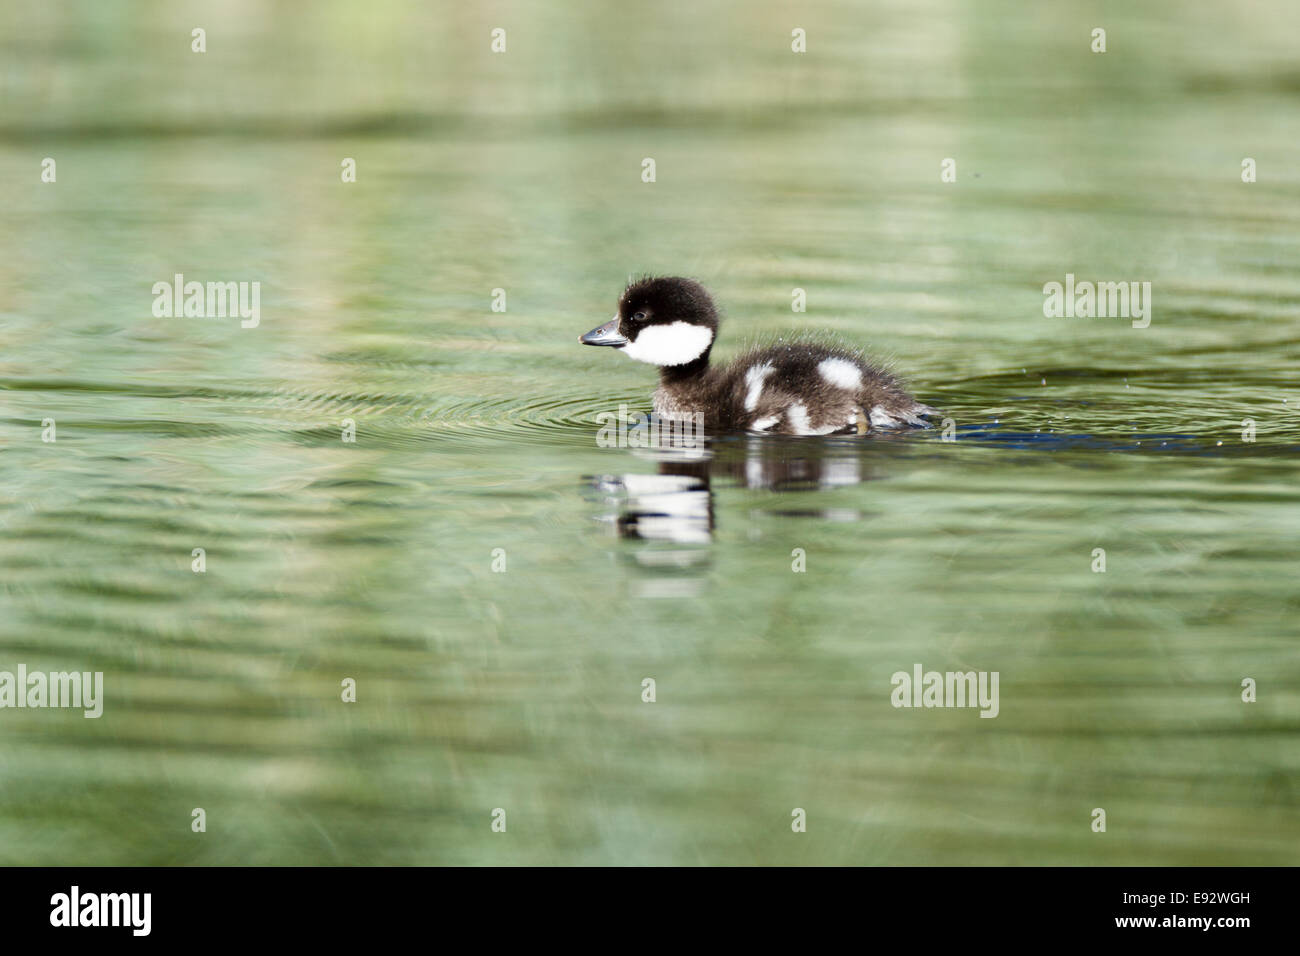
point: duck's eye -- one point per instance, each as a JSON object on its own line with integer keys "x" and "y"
{"x": 639, "y": 317}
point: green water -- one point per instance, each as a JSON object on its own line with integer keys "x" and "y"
{"x": 476, "y": 430}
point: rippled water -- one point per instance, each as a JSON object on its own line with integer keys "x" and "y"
{"x": 476, "y": 430}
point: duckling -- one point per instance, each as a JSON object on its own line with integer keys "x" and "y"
{"x": 802, "y": 385}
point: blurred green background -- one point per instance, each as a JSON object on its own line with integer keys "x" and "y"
{"x": 476, "y": 430}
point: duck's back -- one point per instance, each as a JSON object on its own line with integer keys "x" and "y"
{"x": 812, "y": 387}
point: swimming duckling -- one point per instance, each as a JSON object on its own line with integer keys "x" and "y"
{"x": 799, "y": 386}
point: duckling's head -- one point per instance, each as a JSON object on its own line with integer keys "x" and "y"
{"x": 663, "y": 320}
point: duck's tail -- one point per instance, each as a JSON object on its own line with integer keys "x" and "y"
{"x": 896, "y": 409}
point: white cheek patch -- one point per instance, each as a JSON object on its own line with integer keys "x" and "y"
{"x": 841, "y": 372}
{"x": 674, "y": 344}
{"x": 754, "y": 383}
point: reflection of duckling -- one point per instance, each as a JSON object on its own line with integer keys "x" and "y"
{"x": 800, "y": 386}
{"x": 676, "y": 504}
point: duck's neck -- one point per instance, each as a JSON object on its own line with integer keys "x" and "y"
{"x": 684, "y": 389}
{"x": 671, "y": 376}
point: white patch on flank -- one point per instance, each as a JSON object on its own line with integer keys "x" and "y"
{"x": 674, "y": 344}
{"x": 764, "y": 423}
{"x": 841, "y": 372}
{"x": 754, "y": 382}
{"x": 798, "y": 417}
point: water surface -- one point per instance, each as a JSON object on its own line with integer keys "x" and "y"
{"x": 476, "y": 430}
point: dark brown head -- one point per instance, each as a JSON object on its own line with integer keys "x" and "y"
{"x": 665, "y": 320}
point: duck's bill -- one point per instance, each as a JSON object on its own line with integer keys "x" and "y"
{"x": 606, "y": 334}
